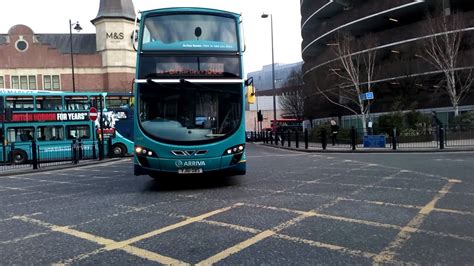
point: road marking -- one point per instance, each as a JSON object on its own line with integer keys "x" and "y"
{"x": 232, "y": 226}
{"x": 449, "y": 160}
{"x": 253, "y": 240}
{"x": 277, "y": 155}
{"x": 101, "y": 241}
{"x": 365, "y": 222}
{"x": 236, "y": 248}
{"x": 2, "y": 188}
{"x": 317, "y": 244}
{"x": 21, "y": 194}
{"x": 19, "y": 239}
{"x": 168, "y": 228}
{"x": 50, "y": 198}
{"x": 125, "y": 245}
{"x": 152, "y": 256}
{"x": 389, "y": 252}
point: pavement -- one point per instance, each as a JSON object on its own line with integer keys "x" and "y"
{"x": 7, "y": 170}
{"x": 346, "y": 148}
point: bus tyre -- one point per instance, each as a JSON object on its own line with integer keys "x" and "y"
{"x": 19, "y": 156}
{"x": 118, "y": 150}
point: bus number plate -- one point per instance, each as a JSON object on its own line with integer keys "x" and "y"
{"x": 190, "y": 171}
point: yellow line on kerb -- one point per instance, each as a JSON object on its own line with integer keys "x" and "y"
{"x": 389, "y": 252}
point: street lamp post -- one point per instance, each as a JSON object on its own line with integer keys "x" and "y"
{"x": 273, "y": 71}
{"x": 78, "y": 28}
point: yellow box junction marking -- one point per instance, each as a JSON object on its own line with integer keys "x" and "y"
{"x": 124, "y": 245}
{"x": 389, "y": 252}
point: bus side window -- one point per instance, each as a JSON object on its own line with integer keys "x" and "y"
{"x": 20, "y": 134}
{"x": 78, "y": 132}
{"x": 50, "y": 133}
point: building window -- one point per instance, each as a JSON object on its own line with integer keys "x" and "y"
{"x": 23, "y": 82}
{"x": 2, "y": 82}
{"x": 55, "y": 82}
{"x": 51, "y": 82}
{"x": 15, "y": 82}
{"x": 47, "y": 83}
{"x": 32, "y": 82}
{"x": 21, "y": 45}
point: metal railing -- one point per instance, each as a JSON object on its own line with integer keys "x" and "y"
{"x": 35, "y": 155}
{"x": 422, "y": 138}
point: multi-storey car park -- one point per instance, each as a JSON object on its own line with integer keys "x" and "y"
{"x": 398, "y": 32}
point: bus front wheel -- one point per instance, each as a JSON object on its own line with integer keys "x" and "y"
{"x": 118, "y": 150}
{"x": 19, "y": 156}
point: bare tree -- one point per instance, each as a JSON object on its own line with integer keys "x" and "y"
{"x": 292, "y": 100}
{"x": 356, "y": 74}
{"x": 442, "y": 50}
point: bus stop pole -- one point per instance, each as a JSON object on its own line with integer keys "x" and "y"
{"x": 93, "y": 140}
{"x": 101, "y": 124}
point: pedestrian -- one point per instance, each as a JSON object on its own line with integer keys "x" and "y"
{"x": 334, "y": 132}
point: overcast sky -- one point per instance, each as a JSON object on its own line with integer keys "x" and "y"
{"x": 51, "y": 16}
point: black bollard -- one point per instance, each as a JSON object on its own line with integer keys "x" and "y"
{"x": 353, "y": 138}
{"x": 297, "y": 144}
{"x": 441, "y": 137}
{"x": 394, "y": 138}
{"x": 34, "y": 154}
{"x": 324, "y": 140}
{"x": 289, "y": 138}
{"x": 306, "y": 139}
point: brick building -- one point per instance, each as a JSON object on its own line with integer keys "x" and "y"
{"x": 104, "y": 61}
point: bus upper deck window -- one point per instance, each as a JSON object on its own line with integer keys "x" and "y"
{"x": 20, "y": 102}
{"x": 76, "y": 102}
{"x": 49, "y": 103}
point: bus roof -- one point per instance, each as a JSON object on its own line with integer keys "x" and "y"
{"x": 4, "y": 91}
{"x": 189, "y": 9}
{"x": 18, "y": 91}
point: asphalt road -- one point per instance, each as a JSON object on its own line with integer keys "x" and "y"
{"x": 290, "y": 208}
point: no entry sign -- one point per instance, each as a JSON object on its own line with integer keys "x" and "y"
{"x": 93, "y": 113}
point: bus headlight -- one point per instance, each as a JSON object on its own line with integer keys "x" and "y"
{"x": 234, "y": 150}
{"x": 141, "y": 151}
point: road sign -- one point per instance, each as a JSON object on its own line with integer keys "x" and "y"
{"x": 367, "y": 96}
{"x": 93, "y": 113}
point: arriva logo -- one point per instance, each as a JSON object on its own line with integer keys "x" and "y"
{"x": 180, "y": 163}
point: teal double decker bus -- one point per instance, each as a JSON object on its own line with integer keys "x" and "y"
{"x": 190, "y": 93}
{"x": 54, "y": 120}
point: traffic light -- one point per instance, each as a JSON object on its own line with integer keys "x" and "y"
{"x": 259, "y": 116}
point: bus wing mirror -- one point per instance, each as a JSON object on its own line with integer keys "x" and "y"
{"x": 251, "y": 95}
{"x": 135, "y": 40}
{"x": 135, "y": 34}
